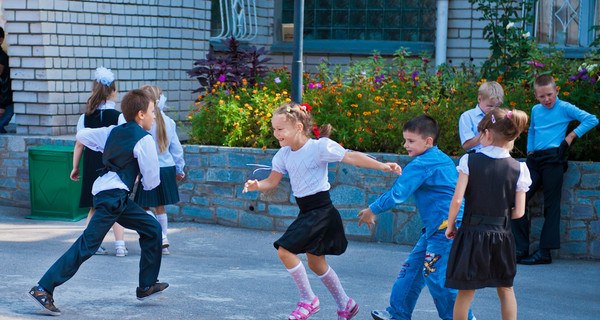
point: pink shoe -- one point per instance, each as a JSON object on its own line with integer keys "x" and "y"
{"x": 347, "y": 313}
{"x": 312, "y": 308}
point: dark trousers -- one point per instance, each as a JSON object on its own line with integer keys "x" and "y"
{"x": 546, "y": 168}
{"x": 111, "y": 206}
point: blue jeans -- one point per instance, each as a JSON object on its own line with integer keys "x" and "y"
{"x": 425, "y": 265}
{"x": 5, "y": 118}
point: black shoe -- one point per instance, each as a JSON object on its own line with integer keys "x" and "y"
{"x": 44, "y": 300}
{"x": 521, "y": 255}
{"x": 537, "y": 258}
{"x": 158, "y": 287}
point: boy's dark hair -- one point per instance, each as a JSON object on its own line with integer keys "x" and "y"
{"x": 544, "y": 80}
{"x": 1, "y": 32}
{"x": 424, "y": 125}
{"x": 134, "y": 101}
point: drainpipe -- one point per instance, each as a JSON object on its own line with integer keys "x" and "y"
{"x": 441, "y": 32}
{"x": 297, "y": 67}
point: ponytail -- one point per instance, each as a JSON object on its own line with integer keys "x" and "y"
{"x": 161, "y": 132}
{"x": 100, "y": 93}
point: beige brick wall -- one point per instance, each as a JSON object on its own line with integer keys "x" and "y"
{"x": 55, "y": 45}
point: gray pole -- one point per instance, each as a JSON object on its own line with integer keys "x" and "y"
{"x": 297, "y": 68}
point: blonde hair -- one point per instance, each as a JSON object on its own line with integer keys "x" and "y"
{"x": 504, "y": 124}
{"x": 491, "y": 90}
{"x": 294, "y": 112}
{"x": 100, "y": 93}
{"x": 161, "y": 132}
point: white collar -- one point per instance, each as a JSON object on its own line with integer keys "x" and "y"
{"x": 494, "y": 152}
{"x": 107, "y": 105}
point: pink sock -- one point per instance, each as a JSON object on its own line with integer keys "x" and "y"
{"x": 332, "y": 282}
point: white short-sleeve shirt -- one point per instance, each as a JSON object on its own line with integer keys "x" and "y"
{"x": 524, "y": 180}
{"x": 307, "y": 166}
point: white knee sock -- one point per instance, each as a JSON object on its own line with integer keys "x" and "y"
{"x": 162, "y": 219}
{"x": 119, "y": 244}
{"x": 332, "y": 282}
{"x": 299, "y": 275}
{"x": 151, "y": 213}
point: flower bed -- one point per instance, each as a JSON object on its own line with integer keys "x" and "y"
{"x": 368, "y": 101}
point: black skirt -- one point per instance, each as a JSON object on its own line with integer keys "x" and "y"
{"x": 481, "y": 256}
{"x": 317, "y": 230}
{"x": 92, "y": 161}
{"x": 166, "y": 193}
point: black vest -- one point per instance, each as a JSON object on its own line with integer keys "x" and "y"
{"x": 492, "y": 186}
{"x": 118, "y": 152}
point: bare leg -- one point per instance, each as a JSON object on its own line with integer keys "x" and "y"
{"x": 462, "y": 304}
{"x": 119, "y": 232}
{"x": 317, "y": 264}
{"x": 289, "y": 259}
{"x": 508, "y": 303}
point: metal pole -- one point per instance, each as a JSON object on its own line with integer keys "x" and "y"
{"x": 441, "y": 32}
{"x": 297, "y": 68}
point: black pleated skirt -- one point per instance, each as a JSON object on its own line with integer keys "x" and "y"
{"x": 92, "y": 161}
{"x": 481, "y": 256}
{"x": 166, "y": 193}
{"x": 317, "y": 230}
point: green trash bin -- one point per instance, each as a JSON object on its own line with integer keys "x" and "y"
{"x": 54, "y": 196}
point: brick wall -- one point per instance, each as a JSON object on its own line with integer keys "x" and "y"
{"x": 212, "y": 193}
{"x": 55, "y": 45}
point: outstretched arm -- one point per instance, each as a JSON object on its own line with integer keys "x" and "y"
{"x": 269, "y": 183}
{"x": 362, "y": 160}
{"x": 457, "y": 199}
{"x": 76, "y": 158}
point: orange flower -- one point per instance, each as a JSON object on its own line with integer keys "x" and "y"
{"x": 390, "y": 126}
{"x": 360, "y": 139}
{"x": 512, "y": 103}
{"x": 359, "y": 95}
{"x": 566, "y": 93}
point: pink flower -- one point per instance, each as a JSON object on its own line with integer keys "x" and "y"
{"x": 222, "y": 78}
{"x": 277, "y": 80}
{"x": 311, "y": 85}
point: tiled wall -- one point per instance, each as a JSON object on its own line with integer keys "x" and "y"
{"x": 55, "y": 45}
{"x": 212, "y": 193}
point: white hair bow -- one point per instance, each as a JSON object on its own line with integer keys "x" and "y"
{"x": 104, "y": 76}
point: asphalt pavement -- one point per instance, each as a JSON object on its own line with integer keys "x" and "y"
{"x": 218, "y": 272}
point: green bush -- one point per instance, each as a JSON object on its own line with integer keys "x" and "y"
{"x": 369, "y": 101}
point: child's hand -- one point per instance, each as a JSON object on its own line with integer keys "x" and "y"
{"x": 75, "y": 174}
{"x": 393, "y": 167}
{"x": 180, "y": 176}
{"x": 366, "y": 216}
{"x": 451, "y": 231}
{"x": 250, "y": 185}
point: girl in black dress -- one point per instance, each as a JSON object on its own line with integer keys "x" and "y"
{"x": 493, "y": 185}
{"x": 100, "y": 112}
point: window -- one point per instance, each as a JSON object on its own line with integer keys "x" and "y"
{"x": 361, "y": 26}
{"x": 567, "y": 23}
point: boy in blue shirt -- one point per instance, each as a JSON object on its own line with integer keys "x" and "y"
{"x": 431, "y": 177}
{"x": 490, "y": 95}
{"x": 127, "y": 151}
{"x": 547, "y": 146}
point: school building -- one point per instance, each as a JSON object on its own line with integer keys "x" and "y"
{"x": 55, "y": 45}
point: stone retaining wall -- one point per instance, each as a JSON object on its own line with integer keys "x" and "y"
{"x": 212, "y": 193}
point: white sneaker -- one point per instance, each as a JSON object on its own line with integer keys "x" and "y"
{"x": 381, "y": 315}
{"x": 101, "y": 251}
{"x": 121, "y": 252}
{"x": 165, "y": 251}
{"x": 165, "y": 243}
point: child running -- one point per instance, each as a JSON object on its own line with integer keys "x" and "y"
{"x": 318, "y": 230}
{"x": 170, "y": 158}
{"x": 493, "y": 185}
{"x": 100, "y": 113}
{"x": 128, "y": 151}
{"x": 431, "y": 177}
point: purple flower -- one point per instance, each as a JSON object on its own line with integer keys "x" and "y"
{"x": 363, "y": 72}
{"x": 277, "y": 80}
{"x": 222, "y": 78}
{"x": 311, "y": 85}
{"x": 573, "y": 78}
{"x": 318, "y": 85}
{"x": 529, "y": 62}
{"x": 322, "y": 59}
{"x": 415, "y": 74}
{"x": 593, "y": 80}
{"x": 226, "y": 91}
{"x": 537, "y": 64}
{"x": 583, "y": 70}
{"x": 584, "y": 77}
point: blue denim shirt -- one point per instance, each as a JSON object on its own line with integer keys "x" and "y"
{"x": 548, "y": 127}
{"x": 431, "y": 177}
